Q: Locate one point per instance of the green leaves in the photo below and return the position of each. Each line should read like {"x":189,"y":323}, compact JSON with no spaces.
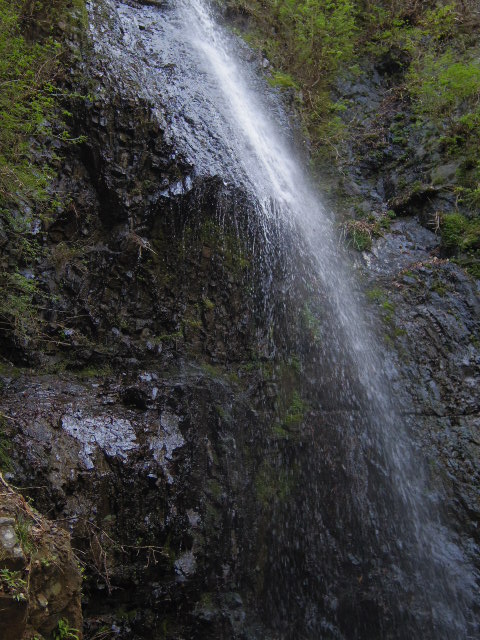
{"x":441,"y":84}
{"x":317,"y":32}
{"x":64,"y":631}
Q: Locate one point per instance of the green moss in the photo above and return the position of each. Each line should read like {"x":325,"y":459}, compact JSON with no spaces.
{"x":296,"y":411}
{"x":213,"y":518}
{"x":193,"y":323}
{"x":281,"y":433}
{"x":311,"y":322}
{"x":295,"y":363}
{"x":375,"y":294}
{"x":475,"y":340}
{"x":388,"y":310}
{"x":92,"y":371}
{"x":293,"y":417}
{"x":283,"y":80}
{"x":29,"y":103}
{"x":221,"y":411}
{"x":208,"y":304}
{"x":439,"y":287}
{"x":211,"y":370}
{"x":234,"y":377}
{"x":379,"y":297}
{"x":273,"y":485}
{"x":215,"y":489}
{"x":207,"y":600}
{"x":5,"y":447}
{"x":168,"y":337}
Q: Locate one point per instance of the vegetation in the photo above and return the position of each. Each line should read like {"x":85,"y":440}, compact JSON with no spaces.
{"x":379,"y":297}
{"x":33,"y":118}
{"x":64,"y":631}
{"x":431,"y":53}
{"x":292,"y":419}
{"x":273,"y":485}
{"x":24,"y":534}
{"x":313,"y":40}
{"x":5,"y":445}
{"x":359,"y":233}
{"x":12,"y":583}
{"x":296,"y":411}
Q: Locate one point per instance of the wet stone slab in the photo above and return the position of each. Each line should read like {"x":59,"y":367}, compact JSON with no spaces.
{"x":407,"y":244}
{"x":115,"y":436}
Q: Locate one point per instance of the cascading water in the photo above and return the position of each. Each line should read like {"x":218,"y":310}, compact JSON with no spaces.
{"x":226,"y":124}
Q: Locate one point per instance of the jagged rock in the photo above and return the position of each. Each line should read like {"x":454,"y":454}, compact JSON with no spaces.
{"x":164,"y":434}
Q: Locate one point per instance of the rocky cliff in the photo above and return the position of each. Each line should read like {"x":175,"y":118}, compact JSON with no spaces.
{"x":180,"y":394}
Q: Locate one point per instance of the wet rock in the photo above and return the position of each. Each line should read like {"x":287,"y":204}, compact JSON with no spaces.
{"x":165,"y":440}
{"x":114,"y":436}
{"x":413,"y":199}
{"x":444,"y":173}
{"x":135,"y":397}
{"x":11,"y":551}
{"x":393,"y":62}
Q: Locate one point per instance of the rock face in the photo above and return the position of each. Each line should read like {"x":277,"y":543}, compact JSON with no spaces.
{"x":428,"y":305}
{"x":147,"y":435}
{"x":182,"y":419}
{"x":434,"y":328}
{"x":40,"y":581}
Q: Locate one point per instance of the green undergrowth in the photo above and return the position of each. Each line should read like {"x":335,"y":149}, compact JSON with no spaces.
{"x":13,"y":584}
{"x":430,"y":54}
{"x":308,"y":43}
{"x":34,"y":122}
{"x":312,"y":43}
{"x":460,"y":237}
{"x":360,"y":233}
{"x":437,"y":47}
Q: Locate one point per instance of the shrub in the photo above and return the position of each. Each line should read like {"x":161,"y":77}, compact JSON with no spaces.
{"x":460,"y":233}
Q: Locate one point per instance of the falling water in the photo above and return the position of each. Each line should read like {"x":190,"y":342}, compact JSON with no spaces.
{"x":228,"y":126}
{"x":279,"y":184}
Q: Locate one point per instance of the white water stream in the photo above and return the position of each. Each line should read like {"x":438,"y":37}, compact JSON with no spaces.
{"x":280,"y":184}
{"x":220,"y":104}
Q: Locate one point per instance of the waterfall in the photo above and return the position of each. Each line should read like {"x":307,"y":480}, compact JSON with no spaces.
{"x":276,"y":176}
{"x":228,"y":125}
